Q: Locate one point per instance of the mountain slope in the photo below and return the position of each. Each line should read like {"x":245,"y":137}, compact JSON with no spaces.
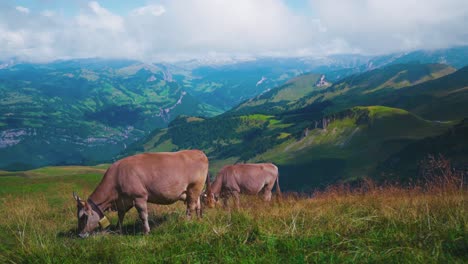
{"x":279,"y":99}
{"x":456,"y":57}
{"x":404,"y":164}
{"x":350,"y":147}
{"x":362,"y":89}
{"x":306,"y":93}
{"x":441,"y":99}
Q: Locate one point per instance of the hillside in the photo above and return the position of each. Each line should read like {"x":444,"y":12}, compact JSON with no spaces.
{"x":353,"y":143}
{"x":404,"y":164}
{"x":440,"y":99}
{"x":456,"y":57}
{"x":283,"y":97}
{"x":363,"y":89}
{"x":358,"y":89}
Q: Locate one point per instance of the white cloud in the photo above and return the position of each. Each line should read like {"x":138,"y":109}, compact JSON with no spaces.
{"x":155,"y":10}
{"x":380,"y":26}
{"x":203,"y":26}
{"x":97,"y":17}
{"x":182,"y":29}
{"x":23,"y":9}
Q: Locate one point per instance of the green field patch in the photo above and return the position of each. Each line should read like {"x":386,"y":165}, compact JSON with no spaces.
{"x":164,"y":146}
{"x":64,"y":171}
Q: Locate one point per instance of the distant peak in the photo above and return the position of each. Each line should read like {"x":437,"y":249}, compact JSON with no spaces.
{"x":151,"y":79}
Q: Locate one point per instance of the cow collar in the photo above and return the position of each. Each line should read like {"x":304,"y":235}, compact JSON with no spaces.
{"x":103,"y":221}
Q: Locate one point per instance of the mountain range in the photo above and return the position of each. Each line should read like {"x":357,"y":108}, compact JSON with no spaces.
{"x":321,"y":119}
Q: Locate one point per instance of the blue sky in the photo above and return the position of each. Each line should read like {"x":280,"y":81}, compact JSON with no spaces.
{"x":183,"y":29}
{"x":71,"y":7}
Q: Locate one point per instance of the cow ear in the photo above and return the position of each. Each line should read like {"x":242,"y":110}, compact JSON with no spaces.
{"x":79,"y":202}
{"x":76,"y":197}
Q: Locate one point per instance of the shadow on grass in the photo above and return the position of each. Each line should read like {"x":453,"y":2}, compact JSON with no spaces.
{"x":128,"y":229}
{"x":136,"y":228}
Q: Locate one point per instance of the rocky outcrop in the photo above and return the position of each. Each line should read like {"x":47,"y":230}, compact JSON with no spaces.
{"x":261,"y":81}
{"x":322,"y":82}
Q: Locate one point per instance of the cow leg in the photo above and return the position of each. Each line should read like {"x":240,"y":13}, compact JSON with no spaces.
{"x":225,"y":197}
{"x":267,"y":192}
{"x":199,"y":208}
{"x":123,"y":206}
{"x":267,"y":196}
{"x":120,"y":222}
{"x":193,"y":200}
{"x":236,"y":199}
{"x":191,"y":206}
{"x":194,"y":205}
{"x":142,"y":208}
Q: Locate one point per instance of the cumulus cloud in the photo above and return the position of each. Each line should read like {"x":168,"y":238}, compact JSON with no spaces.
{"x":376,"y":26}
{"x":180,"y":29}
{"x":22,"y":9}
{"x":97,"y":17}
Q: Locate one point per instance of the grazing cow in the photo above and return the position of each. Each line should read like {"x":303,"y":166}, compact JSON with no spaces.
{"x":233,"y":180}
{"x":160,"y":178}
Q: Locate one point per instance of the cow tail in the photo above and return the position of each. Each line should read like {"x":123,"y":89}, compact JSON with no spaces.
{"x":278,"y":190}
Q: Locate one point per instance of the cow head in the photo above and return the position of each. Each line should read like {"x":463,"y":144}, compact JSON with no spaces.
{"x":88,"y":219}
{"x":208,"y":197}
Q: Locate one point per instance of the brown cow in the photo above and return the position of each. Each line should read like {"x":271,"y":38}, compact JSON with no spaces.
{"x":233,"y":180}
{"x":161,"y":178}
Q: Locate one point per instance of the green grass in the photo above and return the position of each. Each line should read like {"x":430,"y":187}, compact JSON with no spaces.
{"x":54,"y":171}
{"x":298,"y":88}
{"x":388,"y":225}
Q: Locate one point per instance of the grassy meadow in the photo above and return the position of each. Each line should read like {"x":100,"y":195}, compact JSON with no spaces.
{"x":369,"y":224}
